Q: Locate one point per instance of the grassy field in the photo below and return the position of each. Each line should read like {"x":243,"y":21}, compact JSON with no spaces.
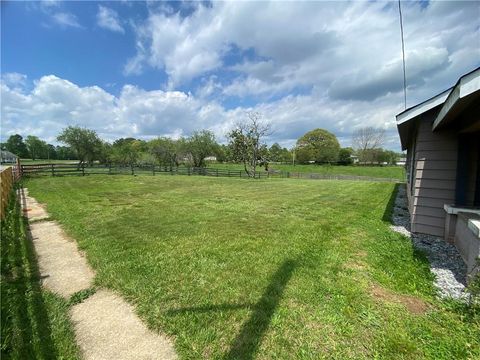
{"x":34,"y":322}
{"x":393,"y":172}
{"x":266,"y":269}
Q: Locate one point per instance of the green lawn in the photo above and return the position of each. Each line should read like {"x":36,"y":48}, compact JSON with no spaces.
{"x":393,"y":172}
{"x":265,"y":269}
{"x":34,"y":322}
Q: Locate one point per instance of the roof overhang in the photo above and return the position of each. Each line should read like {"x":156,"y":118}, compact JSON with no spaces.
{"x":465,"y":91}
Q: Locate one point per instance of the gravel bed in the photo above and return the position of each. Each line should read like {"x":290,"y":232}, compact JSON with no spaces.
{"x":445,"y":261}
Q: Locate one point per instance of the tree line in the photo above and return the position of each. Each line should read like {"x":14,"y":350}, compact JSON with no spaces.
{"x":246,"y":146}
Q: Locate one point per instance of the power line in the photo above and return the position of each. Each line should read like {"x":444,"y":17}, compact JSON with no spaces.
{"x":403,"y":56}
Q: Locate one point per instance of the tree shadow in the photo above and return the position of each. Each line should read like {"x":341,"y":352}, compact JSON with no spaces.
{"x":24,"y":305}
{"x":250,"y":336}
{"x":247,"y":341}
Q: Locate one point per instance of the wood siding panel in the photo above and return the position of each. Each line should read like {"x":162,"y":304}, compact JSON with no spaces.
{"x":436,"y":155}
{"x":436,"y":174}
{"x":438,"y":212}
{"x":429,"y":145}
{"x":429,"y":220}
{"x":435,"y":184}
{"x":437,"y":165}
{"x":434,"y":193}
{"x":426,"y":229}
{"x":431,"y":202}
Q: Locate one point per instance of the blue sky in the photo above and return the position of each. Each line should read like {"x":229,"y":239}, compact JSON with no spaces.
{"x":148,"y":69}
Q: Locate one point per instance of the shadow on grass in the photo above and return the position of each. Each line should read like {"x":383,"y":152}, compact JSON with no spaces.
{"x":250,"y":336}
{"x":387,"y":213}
{"x":26,"y":329}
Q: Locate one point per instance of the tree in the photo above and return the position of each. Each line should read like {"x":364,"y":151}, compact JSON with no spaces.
{"x":366,"y":140}
{"x":165,"y":151}
{"x":16,"y":146}
{"x":127,"y":151}
{"x":345,"y":156}
{"x":246,"y":143}
{"x":85,"y":143}
{"x":275,"y":153}
{"x":200,"y":145}
{"x":318,"y":145}
{"x":36,"y":148}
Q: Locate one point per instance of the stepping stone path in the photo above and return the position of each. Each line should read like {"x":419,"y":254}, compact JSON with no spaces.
{"x":106,"y":326}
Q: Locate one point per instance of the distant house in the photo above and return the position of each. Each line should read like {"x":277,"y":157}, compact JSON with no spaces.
{"x":211,"y":158}
{"x":8,"y":157}
{"x":442,"y":139}
{"x":401,"y":162}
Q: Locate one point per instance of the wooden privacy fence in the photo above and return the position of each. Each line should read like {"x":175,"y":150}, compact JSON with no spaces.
{"x":6,"y":180}
{"x":82,"y":170}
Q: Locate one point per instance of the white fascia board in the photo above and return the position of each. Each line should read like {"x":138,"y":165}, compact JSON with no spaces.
{"x":423,"y":107}
{"x":467,"y":85}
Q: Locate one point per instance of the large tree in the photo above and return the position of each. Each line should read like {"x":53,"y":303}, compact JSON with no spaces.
{"x":200,"y":145}
{"x":318,"y":146}
{"x":36,"y":148}
{"x":246,"y":143}
{"x":16,"y":146}
{"x":85,"y":143}
{"x":366,"y":141}
{"x":166,"y":151}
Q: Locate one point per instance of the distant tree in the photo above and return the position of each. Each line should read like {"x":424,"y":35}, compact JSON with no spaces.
{"x":51,"y":152}
{"x":36,"y":148}
{"x":318,"y":145}
{"x":85,"y":143}
{"x":65,"y":153}
{"x":127,"y":152}
{"x":246,"y":143}
{"x":222,"y":153}
{"x":365,"y":141}
{"x":16,"y":146}
{"x":200,"y":145}
{"x":345,"y":156}
{"x":166,"y":151}
{"x":275,"y":153}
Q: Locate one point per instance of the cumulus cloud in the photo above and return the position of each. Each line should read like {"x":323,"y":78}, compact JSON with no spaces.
{"x":352,"y":50}
{"x":108,"y":19}
{"x":54,"y":103}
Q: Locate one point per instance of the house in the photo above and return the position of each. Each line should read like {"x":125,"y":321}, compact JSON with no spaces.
{"x":442,"y":139}
{"x":401,"y":162}
{"x":8,"y":157}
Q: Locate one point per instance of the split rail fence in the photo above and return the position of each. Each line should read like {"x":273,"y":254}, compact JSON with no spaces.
{"x":83,"y":170}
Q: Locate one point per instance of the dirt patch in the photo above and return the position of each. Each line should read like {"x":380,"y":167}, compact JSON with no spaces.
{"x":107,"y":327}
{"x":62,"y":268}
{"x":413,"y":304}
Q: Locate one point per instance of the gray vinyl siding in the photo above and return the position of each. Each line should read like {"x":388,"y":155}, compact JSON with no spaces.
{"x":433,"y":181}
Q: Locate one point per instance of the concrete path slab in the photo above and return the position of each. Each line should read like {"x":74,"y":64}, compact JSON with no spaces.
{"x":62,"y":268}
{"x":30,"y":207}
{"x":107,"y":327}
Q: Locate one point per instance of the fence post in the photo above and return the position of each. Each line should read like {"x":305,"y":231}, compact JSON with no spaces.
{"x":53,"y":170}
{"x":83,"y":169}
{"x":188,"y":169}
{"x":109,"y":169}
{"x":153,"y":169}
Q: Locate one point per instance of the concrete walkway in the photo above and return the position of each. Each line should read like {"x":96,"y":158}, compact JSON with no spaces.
{"x":106,"y":326}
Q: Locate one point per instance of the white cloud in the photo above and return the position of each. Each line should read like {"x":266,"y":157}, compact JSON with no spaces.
{"x":66,"y":19}
{"x":55,"y":103}
{"x":351,"y":50}
{"x":108,"y":19}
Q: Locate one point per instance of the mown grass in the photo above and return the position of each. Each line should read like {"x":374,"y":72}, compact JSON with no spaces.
{"x":265,"y":269}
{"x":392,"y":172}
{"x":34,"y":322}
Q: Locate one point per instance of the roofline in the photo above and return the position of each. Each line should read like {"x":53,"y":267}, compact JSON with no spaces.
{"x":466,"y":85}
{"x":424,"y":106}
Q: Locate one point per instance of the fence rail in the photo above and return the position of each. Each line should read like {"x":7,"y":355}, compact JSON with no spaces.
{"x":59,"y":169}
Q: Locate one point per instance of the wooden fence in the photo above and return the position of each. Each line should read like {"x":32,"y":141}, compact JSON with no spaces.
{"x":82,"y":170}
{"x":6,"y":184}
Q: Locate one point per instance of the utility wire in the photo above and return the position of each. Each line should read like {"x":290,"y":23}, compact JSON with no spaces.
{"x":403,"y":56}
